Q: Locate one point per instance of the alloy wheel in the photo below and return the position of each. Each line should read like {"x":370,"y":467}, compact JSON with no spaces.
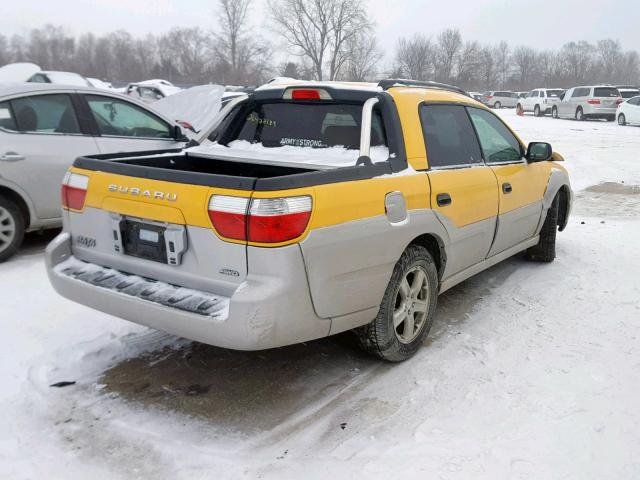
{"x":411,"y":305}
{"x":7,"y":229}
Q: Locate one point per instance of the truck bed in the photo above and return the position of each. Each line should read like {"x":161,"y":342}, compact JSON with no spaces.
{"x":227,"y":172}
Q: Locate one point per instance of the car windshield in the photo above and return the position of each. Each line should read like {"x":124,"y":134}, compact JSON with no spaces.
{"x":307,"y":125}
{"x":554,"y":93}
{"x":606,"y":92}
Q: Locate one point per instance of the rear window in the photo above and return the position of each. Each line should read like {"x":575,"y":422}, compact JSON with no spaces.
{"x":629,"y":93}
{"x":6,"y":117}
{"x":606,"y":92}
{"x":308,"y":125}
{"x":554,"y":93}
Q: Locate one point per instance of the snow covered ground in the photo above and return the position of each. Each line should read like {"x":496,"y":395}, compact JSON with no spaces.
{"x":530,"y":372}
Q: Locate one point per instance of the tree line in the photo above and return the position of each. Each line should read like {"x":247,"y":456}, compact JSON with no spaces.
{"x":321,"y":40}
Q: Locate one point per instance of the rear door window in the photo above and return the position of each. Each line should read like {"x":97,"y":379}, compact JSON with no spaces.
{"x":499,"y":145}
{"x":606,"y":92}
{"x":6,"y":117}
{"x":123,"y":119}
{"x":449,"y":137}
{"x":308,"y":125}
{"x":45,"y":114}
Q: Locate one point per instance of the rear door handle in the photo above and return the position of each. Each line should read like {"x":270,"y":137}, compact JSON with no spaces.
{"x":507,"y":188}
{"x":11,"y":157}
{"x":443,"y":199}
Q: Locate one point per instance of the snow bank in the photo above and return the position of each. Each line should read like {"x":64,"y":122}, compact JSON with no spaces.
{"x":197,"y":105}
{"x":332,"y":157}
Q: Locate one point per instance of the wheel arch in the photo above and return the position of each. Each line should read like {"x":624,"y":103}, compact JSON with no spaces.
{"x":19,"y":201}
{"x":435,"y":246}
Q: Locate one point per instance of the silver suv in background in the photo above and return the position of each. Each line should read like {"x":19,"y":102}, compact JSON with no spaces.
{"x":582,"y":103}
{"x":499,"y":99}
{"x":539,"y":101}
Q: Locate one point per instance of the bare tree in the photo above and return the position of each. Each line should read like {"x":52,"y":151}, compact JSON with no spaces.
{"x":362,"y":58}
{"x":469,"y":64}
{"x":503,"y":62}
{"x":609,"y":58}
{"x":415,"y":57}
{"x":578,"y":57}
{"x":319,"y":30}
{"x":449,"y":45}
{"x":524,"y":59}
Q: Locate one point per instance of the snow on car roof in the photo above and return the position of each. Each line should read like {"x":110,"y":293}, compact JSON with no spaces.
{"x":279,"y":82}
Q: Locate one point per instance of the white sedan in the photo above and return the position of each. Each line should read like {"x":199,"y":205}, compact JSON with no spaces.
{"x":629,"y":112}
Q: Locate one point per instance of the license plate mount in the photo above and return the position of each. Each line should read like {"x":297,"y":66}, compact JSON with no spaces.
{"x":144,"y":240}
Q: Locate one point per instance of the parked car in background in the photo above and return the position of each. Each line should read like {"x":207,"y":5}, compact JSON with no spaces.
{"x":150,"y":92}
{"x":60,"y":78}
{"x":589,"y":102}
{"x":628,"y":112}
{"x":521,"y":94}
{"x":499,"y":99}
{"x":45,"y":127}
{"x":97,"y":83}
{"x":539,"y":101}
{"x":628,"y":91}
{"x":475,"y":95}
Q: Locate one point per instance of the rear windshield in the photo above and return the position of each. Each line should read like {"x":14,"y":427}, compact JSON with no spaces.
{"x":629,"y":93}
{"x":309,"y":125}
{"x":554,"y":93}
{"x":606,"y":92}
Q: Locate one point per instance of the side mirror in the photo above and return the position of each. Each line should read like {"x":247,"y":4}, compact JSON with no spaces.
{"x":178,"y":135}
{"x":539,"y":152}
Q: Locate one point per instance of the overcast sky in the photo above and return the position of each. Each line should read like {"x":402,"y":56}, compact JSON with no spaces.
{"x":537,"y":23}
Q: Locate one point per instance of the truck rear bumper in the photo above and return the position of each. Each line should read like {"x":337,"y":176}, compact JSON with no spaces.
{"x":264,"y":312}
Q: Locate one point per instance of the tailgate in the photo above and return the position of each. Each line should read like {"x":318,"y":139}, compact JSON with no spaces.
{"x":156,"y":229}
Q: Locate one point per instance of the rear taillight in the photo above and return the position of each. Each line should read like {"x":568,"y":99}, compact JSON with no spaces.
{"x":593,"y":101}
{"x":274,"y":220}
{"x":260,"y":220}
{"x":74,"y":190}
{"x":229,"y":216}
{"x":619,"y":101}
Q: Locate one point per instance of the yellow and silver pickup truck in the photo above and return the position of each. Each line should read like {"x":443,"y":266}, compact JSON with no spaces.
{"x":314,"y":208}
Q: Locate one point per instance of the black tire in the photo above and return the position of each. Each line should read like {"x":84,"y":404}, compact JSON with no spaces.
{"x":622,"y":120}
{"x":611,"y":118}
{"x":381,"y":337}
{"x":536,"y":111}
{"x":554,"y":113}
{"x":545,"y":250}
{"x":580,"y":114}
{"x":497,"y":105}
{"x":11,"y":228}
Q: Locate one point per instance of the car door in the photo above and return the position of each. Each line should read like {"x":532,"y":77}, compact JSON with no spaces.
{"x":521,"y":185}
{"x":632,"y":110}
{"x":464,"y":191}
{"x":528,"y":101}
{"x":41,"y":138}
{"x":123,"y":126}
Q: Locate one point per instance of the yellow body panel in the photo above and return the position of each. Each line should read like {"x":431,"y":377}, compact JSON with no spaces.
{"x":473,"y":192}
{"x":528,"y":182}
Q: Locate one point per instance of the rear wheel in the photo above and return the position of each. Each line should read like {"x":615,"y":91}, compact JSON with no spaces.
{"x":407,"y":308}
{"x":536,"y":111}
{"x":11,"y":228}
{"x":545,"y":250}
{"x":554,"y":112}
{"x":622,"y":120}
{"x":579,"y":114}
{"x":497,"y":105}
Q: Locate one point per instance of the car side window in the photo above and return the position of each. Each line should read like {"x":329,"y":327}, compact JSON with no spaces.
{"x":45,"y":114}
{"x":39,"y":78}
{"x":6,"y":117}
{"x":449,"y":137}
{"x":498,"y":144}
{"x":119,"y":118}
{"x":633,"y":101}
